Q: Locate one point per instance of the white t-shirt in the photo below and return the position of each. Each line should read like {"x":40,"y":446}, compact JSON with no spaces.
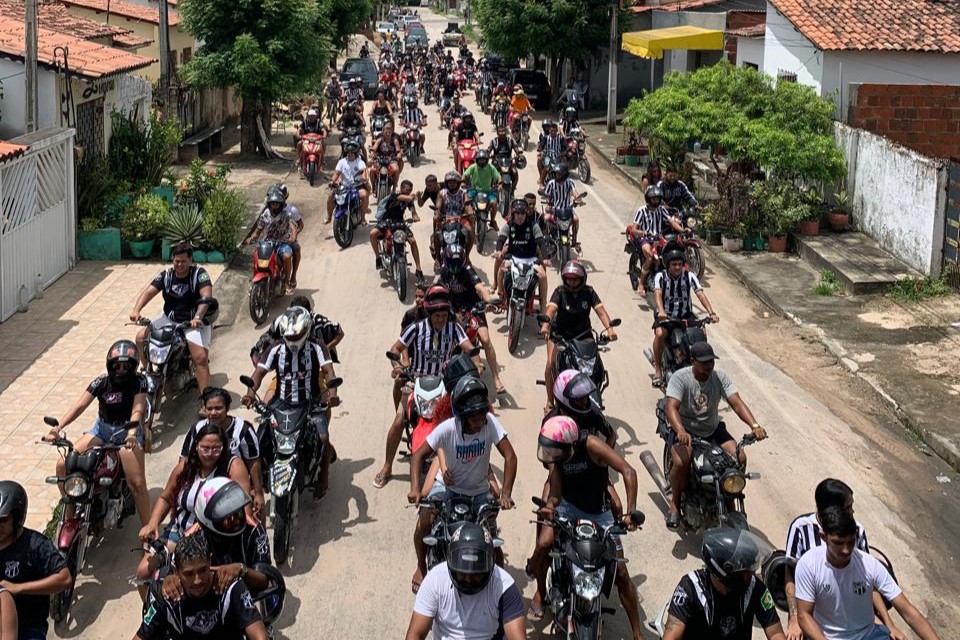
{"x":464,"y":617}
{"x":467,"y":458}
{"x":843,"y":598}
{"x":350,"y":171}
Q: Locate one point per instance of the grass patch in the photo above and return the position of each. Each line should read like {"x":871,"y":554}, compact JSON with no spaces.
{"x":829,"y":285}
{"x":51,"y":530}
{"x":917,"y":289}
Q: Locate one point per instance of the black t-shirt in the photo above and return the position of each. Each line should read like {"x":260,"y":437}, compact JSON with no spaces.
{"x":350,"y":121}
{"x":431,"y":195}
{"x":251,"y":547}
{"x":411,"y":315}
{"x":116,"y":400}
{"x":223,"y":617}
{"x":31,"y":557}
{"x":522,"y":239}
{"x":396,"y":209}
{"x":387,"y":147}
{"x":462,"y":286}
{"x":573,"y":310}
{"x":466,"y":131}
{"x":180,"y":295}
{"x":708,"y":614}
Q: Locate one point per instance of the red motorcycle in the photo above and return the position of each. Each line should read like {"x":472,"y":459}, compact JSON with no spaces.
{"x":466,"y":150}
{"x":269,"y":280}
{"x":311,"y":155}
{"x":94,"y":484}
{"x":686,"y":242}
{"x":460,"y":78}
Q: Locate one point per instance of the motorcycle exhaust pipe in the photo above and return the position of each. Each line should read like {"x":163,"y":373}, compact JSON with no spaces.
{"x":646,"y":457}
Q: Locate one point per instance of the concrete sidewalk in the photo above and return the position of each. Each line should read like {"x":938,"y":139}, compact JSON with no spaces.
{"x":908,"y":353}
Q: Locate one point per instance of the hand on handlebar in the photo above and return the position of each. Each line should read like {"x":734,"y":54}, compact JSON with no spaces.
{"x":506,"y":502}
{"x":759,"y":432}
{"x":135,"y":316}
{"x":148,"y":533}
{"x":247,"y":400}
{"x":661,"y":315}
{"x":413,"y":497}
{"x":627,"y":521}
{"x":714,"y":318}
{"x":52,"y":435}
{"x":612,"y":335}
{"x":545,"y":331}
{"x":684,"y":438}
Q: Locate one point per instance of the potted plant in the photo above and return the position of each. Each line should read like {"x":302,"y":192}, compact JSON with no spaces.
{"x":813,"y":212}
{"x":183,"y":224}
{"x":732,"y":238}
{"x":223,"y":218}
{"x":142,"y":223}
{"x":712,"y":225}
{"x":781,"y":221}
{"x":839,"y":216}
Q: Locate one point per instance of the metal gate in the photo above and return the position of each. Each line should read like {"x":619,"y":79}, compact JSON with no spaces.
{"x":90,"y":129}
{"x":38,"y":214}
{"x":951,"y":235}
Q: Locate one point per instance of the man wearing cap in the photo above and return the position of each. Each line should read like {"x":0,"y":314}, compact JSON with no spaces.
{"x":693,"y":403}
{"x":310,"y":124}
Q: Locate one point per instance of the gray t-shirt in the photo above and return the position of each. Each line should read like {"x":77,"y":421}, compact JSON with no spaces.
{"x":467,"y":458}
{"x":699,"y":403}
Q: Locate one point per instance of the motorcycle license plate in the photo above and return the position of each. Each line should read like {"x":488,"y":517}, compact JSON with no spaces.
{"x":282,"y":475}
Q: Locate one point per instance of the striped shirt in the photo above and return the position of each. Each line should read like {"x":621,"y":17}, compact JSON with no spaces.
{"x":429,"y":348}
{"x":298,"y":374}
{"x":184,"y":516}
{"x":560,"y":194}
{"x":677,"y":292}
{"x":240,"y":433}
{"x":651,"y":221}
{"x":552,"y":145}
{"x":804,"y":534}
{"x":414,"y":115}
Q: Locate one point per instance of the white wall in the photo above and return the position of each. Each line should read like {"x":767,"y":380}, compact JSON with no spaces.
{"x":750,"y":50}
{"x":786,"y":49}
{"x":878,"y":172}
{"x":14,"y":106}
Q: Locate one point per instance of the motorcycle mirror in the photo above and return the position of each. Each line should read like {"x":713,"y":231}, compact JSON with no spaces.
{"x":616,"y":322}
{"x":333,"y":383}
{"x":430,"y":541}
{"x":207,"y":300}
{"x":637,"y":517}
{"x":538,"y":501}
{"x":393,"y":356}
{"x":753,"y":475}
{"x":52,"y":422}
{"x":246,"y":380}
{"x":497,"y":543}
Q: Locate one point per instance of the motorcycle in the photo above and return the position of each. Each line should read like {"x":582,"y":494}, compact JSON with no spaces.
{"x":448,"y":231}
{"x":460,"y":78}
{"x":691,"y":243}
{"x":577,"y":154}
{"x":418,"y":420}
{"x":269,"y":280}
{"x":393,"y":254}
{"x":412,"y":142}
{"x":466,"y":150}
{"x":583,"y":567}
{"x":311,"y":155}
{"x":481,"y":207}
{"x":686,"y":242}
{"x":383,"y":186}
{"x":506,"y":163}
{"x":500,"y":110}
{"x":352,"y":134}
{"x":451,"y":514}
{"x":426,"y":86}
{"x":377,"y":125}
{"x":583,"y":354}
{"x":520,"y":282}
{"x":681,"y":335}
{"x":559,"y":233}
{"x":484,"y":93}
{"x":521,"y":130}
{"x":346,"y":214}
{"x":468,"y":321}
{"x":289,"y":441}
{"x":95,"y":485}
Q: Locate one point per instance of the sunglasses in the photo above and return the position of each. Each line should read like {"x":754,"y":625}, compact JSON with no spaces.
{"x":211,"y":451}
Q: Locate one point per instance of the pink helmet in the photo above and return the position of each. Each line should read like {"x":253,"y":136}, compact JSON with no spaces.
{"x":557,"y":437}
{"x":575,"y":391}
{"x":560,"y":382}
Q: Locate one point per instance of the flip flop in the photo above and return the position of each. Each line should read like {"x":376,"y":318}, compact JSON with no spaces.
{"x":381,"y":481}
{"x":658,"y":382}
{"x":501,"y":390}
{"x":534,"y":613}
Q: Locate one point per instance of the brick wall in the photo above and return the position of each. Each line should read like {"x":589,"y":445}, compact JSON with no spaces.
{"x":740,"y":20}
{"x":925,"y":118}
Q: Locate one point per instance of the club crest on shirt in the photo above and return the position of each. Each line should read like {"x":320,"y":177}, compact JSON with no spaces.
{"x":700,"y":402}
{"x":203,"y":623}
{"x":679,"y":597}
{"x":728,"y":626}
{"x":113,"y":397}
{"x":12,"y":570}
{"x":859,"y":587}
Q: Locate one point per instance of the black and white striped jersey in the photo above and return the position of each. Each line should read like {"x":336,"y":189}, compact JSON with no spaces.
{"x":560,"y":194}
{"x":651,"y":221}
{"x":298,"y":374}
{"x":804,"y":534}
{"x":677,"y":292}
{"x":431,"y":348}
{"x":552,"y":145}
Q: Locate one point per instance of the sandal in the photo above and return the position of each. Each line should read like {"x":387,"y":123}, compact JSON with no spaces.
{"x":501,"y":390}
{"x":380,"y":481}
{"x":535,"y":612}
{"x":658,"y":382}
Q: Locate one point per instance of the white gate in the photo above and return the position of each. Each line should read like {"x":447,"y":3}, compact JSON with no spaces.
{"x":37,"y":217}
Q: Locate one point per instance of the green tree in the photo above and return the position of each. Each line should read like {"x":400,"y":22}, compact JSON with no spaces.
{"x":268,"y":49}
{"x":346,"y":18}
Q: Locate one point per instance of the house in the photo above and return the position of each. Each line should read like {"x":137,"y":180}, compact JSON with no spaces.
{"x":56,"y":17}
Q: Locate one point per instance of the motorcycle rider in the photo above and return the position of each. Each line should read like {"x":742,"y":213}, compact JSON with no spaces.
{"x":34,"y":569}
{"x":722,"y":599}
{"x":351,"y":171}
{"x":561,"y":192}
{"x":472,"y":428}
{"x":504,"y":145}
{"x":294,"y":214}
{"x":468,"y":596}
{"x":676,"y":194}
{"x":466,"y":292}
{"x":182,"y":286}
{"x":568,"y":121}
{"x":519,"y":105}
{"x":454,"y":202}
{"x":334,"y":93}
{"x":301,"y":365}
{"x":428,"y":343}
{"x":364,"y":50}
{"x":522,"y":238}
{"x":396,"y":205}
{"x":648,"y":226}
{"x":276,"y":225}
{"x":579,"y":467}
{"x":387,"y":150}
{"x":381,"y":107}
{"x":466,"y":130}
{"x":352,"y":117}
{"x":121,"y":395}
{"x":311,"y":124}
{"x":353,"y":92}
{"x":672,"y":289}
{"x":571,"y":98}
{"x":203,"y":611}
{"x":550,"y":145}
{"x":693,"y":401}
{"x":575,"y":397}
{"x":569,"y":314}
{"x":413,"y":118}
{"x":451,"y":95}
{"x":483,"y":177}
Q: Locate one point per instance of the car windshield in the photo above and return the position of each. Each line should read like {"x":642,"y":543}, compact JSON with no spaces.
{"x":529,"y":77}
{"x":356,"y":66}
{"x":385,"y":25}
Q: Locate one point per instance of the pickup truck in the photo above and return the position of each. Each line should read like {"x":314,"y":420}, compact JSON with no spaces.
{"x":452,"y":36}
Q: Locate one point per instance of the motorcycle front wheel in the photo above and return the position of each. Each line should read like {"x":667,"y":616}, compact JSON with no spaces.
{"x":311,"y":172}
{"x":515,"y":316}
{"x":283,"y":508}
{"x":259,"y":302}
{"x":583,"y":170}
{"x":634,"y":272}
{"x":342,"y":231}
{"x":695,"y":261}
{"x":400,"y":274}
{"x":563,"y":255}
{"x":60,"y":603}
{"x":481,"y":230}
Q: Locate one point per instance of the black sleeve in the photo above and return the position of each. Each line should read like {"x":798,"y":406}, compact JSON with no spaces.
{"x":249,"y":444}
{"x":763,"y":606}
{"x":594,"y":298}
{"x":241,"y":611}
{"x":473,"y":276}
{"x":97,"y":386}
{"x":203,"y":278}
{"x":556,"y":297}
{"x":258,"y":547}
{"x":683,"y":605}
{"x":154,"y":621}
{"x":45,"y":556}
{"x":157,"y":282}
{"x":144,"y":386}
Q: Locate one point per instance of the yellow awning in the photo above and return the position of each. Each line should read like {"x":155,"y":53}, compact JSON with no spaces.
{"x":652,"y":43}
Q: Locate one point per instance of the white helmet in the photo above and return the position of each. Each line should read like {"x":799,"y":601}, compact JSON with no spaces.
{"x":219,"y":507}
{"x":295,"y":327}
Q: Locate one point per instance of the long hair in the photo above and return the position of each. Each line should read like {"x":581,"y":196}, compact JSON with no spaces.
{"x":192,"y":466}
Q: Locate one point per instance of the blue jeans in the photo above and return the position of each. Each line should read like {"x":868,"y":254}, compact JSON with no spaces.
{"x":878,"y":632}
{"x":604,"y":520}
{"x":32,"y":634}
{"x":492,"y":195}
{"x":284,"y":249}
{"x":112,"y":433}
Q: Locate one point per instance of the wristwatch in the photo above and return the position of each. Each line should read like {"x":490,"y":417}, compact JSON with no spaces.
{"x":243,"y":571}
{"x":755,"y":425}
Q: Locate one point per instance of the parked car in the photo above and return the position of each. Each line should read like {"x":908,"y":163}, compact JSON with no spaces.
{"x":386,"y":29}
{"x":452,"y":36}
{"x":416,"y":32}
{"x":499,"y":66}
{"x":366,"y":69}
{"x":535,"y":85}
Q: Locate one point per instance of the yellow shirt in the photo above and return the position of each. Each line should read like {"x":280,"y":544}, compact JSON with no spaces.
{"x":521,"y":103}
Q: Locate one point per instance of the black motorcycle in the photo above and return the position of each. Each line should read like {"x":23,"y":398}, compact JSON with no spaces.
{"x":393,"y":255}
{"x":352,"y":134}
{"x":520,"y":283}
{"x":559,"y":233}
{"x":582,"y":353}
{"x":681,"y":335}
{"x":288,"y":444}
{"x":451,"y":514}
{"x":484,"y":94}
{"x":583,"y":567}
{"x":508,"y":166}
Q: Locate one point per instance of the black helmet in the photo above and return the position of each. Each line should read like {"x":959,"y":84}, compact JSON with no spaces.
{"x":454,"y":258}
{"x":482,"y":155}
{"x":470,"y":558}
{"x":452,"y":176}
{"x":219,"y":508}
{"x":467,"y":115}
{"x":519,"y":206}
{"x":274,"y":195}
{"x":13,"y":503}
{"x":548,"y":123}
{"x":562,"y":171}
{"x":469,"y":398}
{"x":271,"y":599}
{"x":122,"y":351}
{"x":653,"y":191}
{"x":673,"y":255}
{"x":351,"y":147}
{"x":570,"y":112}
{"x":457,"y":368}
{"x":728,"y":552}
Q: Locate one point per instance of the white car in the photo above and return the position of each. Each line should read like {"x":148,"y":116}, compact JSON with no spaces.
{"x":386,"y":29}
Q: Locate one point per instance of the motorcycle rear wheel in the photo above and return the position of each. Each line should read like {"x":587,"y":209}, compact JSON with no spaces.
{"x":481,"y":230}
{"x":342,"y":231}
{"x":60,"y":603}
{"x":634,"y":272}
{"x":583,"y":170}
{"x":259,"y":302}
{"x":515,"y":326}
{"x":524,"y":139}
{"x":695,"y":261}
{"x":281,"y":529}
{"x":563,"y":255}
{"x":311,"y":172}
{"x":400,"y":274}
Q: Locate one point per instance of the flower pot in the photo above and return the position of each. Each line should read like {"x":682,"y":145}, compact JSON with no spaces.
{"x":754,"y":242}
{"x":714,"y":238}
{"x":215,"y":257}
{"x":731,"y":245}
{"x":631,"y":161}
{"x":810,"y":227}
{"x":838,"y":220}
{"x":618,"y":159}
{"x":165,"y":248}
{"x":199,"y":256}
{"x":141,"y":248}
{"x":102,"y":244}
{"x":777,"y":244}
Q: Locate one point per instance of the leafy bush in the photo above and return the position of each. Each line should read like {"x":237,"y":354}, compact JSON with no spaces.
{"x":200,"y":182}
{"x":96,"y":187}
{"x":144,"y":218}
{"x":223,"y":216}
{"x":184,"y":224}
{"x":917,"y":289}
{"x":781,"y":206}
{"x":828,"y":285}
{"x":140,"y":152}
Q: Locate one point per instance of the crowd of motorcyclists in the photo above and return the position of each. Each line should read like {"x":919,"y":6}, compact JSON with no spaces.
{"x":207,"y":569}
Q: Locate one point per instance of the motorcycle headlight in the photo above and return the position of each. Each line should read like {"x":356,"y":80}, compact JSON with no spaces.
{"x":400,"y":236}
{"x":159,"y":354}
{"x":427,"y":407}
{"x":585,"y":367}
{"x":383,"y":171}
{"x":563,"y":225}
{"x":733,"y":481}
{"x":75,"y":486}
{"x":263,"y":263}
{"x":286,"y":444}
{"x":587,"y":585}
{"x":580,"y":146}
{"x":692,"y":222}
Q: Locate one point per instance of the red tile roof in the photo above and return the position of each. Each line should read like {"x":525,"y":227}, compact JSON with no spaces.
{"x":9,"y":151}
{"x":753,"y":31}
{"x":878,"y":25}
{"x":130,"y":41}
{"x":674,"y":5}
{"x":128,"y":10}
{"x":56,"y":17}
{"x":88,"y":59}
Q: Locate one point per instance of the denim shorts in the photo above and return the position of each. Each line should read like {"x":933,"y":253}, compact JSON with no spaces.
{"x":171,"y":533}
{"x":113,"y":434}
{"x":284,"y":249}
{"x":605,"y":519}
{"x":32,"y":634}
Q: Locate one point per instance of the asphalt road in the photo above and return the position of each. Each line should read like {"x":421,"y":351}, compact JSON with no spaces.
{"x":353,"y":557}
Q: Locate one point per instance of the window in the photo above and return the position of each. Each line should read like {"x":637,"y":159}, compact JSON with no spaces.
{"x":750,"y":65}
{"x":186,"y":55}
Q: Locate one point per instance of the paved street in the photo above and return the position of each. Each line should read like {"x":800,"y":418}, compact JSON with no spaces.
{"x":353,"y":556}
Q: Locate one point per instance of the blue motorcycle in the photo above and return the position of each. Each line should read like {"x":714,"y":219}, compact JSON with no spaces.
{"x":346,"y":214}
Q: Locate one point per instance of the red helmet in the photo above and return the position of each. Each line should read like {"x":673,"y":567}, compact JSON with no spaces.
{"x":436,"y":299}
{"x":573,"y":270}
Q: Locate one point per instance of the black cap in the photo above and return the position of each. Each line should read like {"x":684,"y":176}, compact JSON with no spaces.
{"x":702,"y":352}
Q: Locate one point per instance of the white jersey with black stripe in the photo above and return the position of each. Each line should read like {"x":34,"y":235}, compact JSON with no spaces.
{"x":804,"y":534}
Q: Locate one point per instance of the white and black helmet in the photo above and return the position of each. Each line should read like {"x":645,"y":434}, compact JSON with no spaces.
{"x":295,"y":327}
{"x":219,"y":507}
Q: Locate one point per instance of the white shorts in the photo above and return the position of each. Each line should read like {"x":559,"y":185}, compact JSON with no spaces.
{"x":200,"y":337}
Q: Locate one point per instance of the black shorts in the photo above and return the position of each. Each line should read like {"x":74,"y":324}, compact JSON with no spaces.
{"x":719,"y":436}
{"x":687,"y":316}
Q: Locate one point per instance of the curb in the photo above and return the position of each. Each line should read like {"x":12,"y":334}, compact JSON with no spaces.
{"x":937,"y":443}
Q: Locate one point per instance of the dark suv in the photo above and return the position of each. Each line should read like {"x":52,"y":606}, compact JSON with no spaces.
{"x":534,"y":84}
{"x":499,"y":65}
{"x":367,"y":71}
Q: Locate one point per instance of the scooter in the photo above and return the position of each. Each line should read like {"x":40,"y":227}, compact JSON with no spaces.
{"x":269,"y":280}
{"x":466,"y":150}
{"x":311,"y":155}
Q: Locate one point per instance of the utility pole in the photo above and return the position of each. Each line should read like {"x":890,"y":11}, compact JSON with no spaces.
{"x":30,"y":63}
{"x":164,"y":30}
{"x":613,"y":68}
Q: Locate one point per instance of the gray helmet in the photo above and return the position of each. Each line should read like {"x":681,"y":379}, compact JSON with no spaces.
{"x":482,"y":155}
{"x":471,"y":554}
{"x":219,"y":508}
{"x":727,"y":552}
{"x":469,"y":398}
{"x":13,"y":502}
{"x":562,"y":171}
{"x":653,"y":191}
{"x":274,"y":194}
